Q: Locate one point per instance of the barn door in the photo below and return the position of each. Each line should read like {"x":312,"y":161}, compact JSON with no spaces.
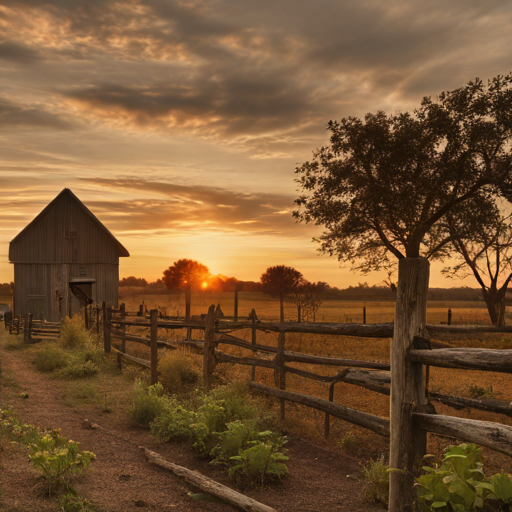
{"x":36,"y":304}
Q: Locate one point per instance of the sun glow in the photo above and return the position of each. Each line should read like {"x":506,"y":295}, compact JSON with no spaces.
{"x":204,"y":285}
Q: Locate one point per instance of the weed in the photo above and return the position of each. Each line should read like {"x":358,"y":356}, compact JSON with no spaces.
{"x":175,"y":423}
{"x":50,"y":357}
{"x":148,"y":403}
{"x":177,"y":372}
{"x":477,"y":392}
{"x":70,"y":502}
{"x":73,"y":333}
{"x":349,"y":443}
{"x":376,"y":481}
{"x":78,"y":369}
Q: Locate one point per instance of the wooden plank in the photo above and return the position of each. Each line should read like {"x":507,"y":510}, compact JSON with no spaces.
{"x":407,"y":442}
{"x":154,"y":346}
{"x":363,"y":419}
{"x":136,"y":360}
{"x":228,"y":339}
{"x":485,"y":433}
{"x":490,"y":405}
{"x":333,"y":361}
{"x":209,"y":486}
{"x":489,"y":360}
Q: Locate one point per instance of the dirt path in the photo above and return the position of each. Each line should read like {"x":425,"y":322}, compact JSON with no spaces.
{"x":122,"y":480}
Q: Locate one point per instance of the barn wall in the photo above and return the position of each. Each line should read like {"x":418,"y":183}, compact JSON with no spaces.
{"x":51,"y":239}
{"x":38,"y":283}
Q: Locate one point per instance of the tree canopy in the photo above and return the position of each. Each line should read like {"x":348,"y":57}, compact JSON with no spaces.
{"x":185,"y":273}
{"x":279,"y":281}
{"x":385,"y":181}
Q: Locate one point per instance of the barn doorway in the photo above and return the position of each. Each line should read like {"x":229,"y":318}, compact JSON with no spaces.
{"x":36,"y":304}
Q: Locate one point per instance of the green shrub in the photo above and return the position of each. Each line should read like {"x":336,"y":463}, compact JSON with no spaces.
{"x":50,"y":357}
{"x":376,"y":481}
{"x":78,"y":369}
{"x":174,"y":424}
{"x":70,"y":502}
{"x":261,"y":462}
{"x":234,"y":439}
{"x":459,"y":484}
{"x":73,"y":333}
{"x":177,"y":371}
{"x":148,"y":403}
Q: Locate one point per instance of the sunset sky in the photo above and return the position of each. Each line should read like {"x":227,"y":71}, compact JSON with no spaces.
{"x":180,"y":123}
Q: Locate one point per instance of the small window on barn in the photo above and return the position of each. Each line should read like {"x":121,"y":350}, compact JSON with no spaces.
{"x":70,"y":234}
{"x":83,"y":271}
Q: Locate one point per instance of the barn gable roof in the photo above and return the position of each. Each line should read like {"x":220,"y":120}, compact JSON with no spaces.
{"x":122,"y":252}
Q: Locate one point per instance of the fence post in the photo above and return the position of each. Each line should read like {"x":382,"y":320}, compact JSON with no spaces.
{"x":235,"y":314}
{"x":449,"y":317}
{"x":106,"y":328}
{"x":253,"y":342}
{"x":364,"y":314}
{"x":154,"y":346}
{"x":407,"y":442}
{"x":29,"y":333}
{"x":123,"y":340}
{"x":209,"y":360}
{"x":279,"y":371}
{"x":327,"y":426}
{"x":25,"y":329}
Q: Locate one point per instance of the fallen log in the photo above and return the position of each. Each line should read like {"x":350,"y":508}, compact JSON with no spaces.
{"x":208,"y":485}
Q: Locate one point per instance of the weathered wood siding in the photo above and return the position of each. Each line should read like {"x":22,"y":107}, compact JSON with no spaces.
{"x":50,"y":238}
{"x":38,"y":281}
{"x":64,"y":241}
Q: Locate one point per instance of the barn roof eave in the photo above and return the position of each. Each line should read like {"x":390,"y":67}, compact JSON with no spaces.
{"x":122,"y":252}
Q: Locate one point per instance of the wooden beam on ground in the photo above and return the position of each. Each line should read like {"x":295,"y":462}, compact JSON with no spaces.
{"x":466,"y":358}
{"x":363,"y":419}
{"x":208,"y":485}
{"x":485,"y":433}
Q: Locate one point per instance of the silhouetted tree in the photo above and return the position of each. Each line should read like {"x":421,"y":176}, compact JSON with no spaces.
{"x":187,"y":275}
{"x":133,"y":281}
{"x":279,"y":281}
{"x":308,"y":298}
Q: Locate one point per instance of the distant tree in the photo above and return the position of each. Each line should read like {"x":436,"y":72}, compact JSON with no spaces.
{"x":308,"y":298}
{"x":186,"y":275}
{"x":279,"y":281}
{"x":482,"y":240}
{"x":133,"y":281}
{"x":6,"y":288}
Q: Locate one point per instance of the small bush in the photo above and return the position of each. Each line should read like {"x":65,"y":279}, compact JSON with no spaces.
{"x":78,"y":369}
{"x":50,"y":357}
{"x":376,"y":481}
{"x":73,"y":333}
{"x":478,"y":392}
{"x":177,"y":371}
{"x":175,"y":423}
{"x":148,"y":403}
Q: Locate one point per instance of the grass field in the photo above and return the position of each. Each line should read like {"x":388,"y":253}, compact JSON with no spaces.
{"x":267,"y":308}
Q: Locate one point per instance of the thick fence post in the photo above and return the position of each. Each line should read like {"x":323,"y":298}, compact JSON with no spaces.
{"x":449,"y":317}
{"x":253,"y":342}
{"x":279,"y":372}
{"x":209,"y":360}
{"x":154,"y":346}
{"x":235,"y":313}
{"x":364,"y":314}
{"x":407,"y":442}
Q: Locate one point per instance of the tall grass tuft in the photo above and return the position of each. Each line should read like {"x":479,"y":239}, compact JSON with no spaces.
{"x":74,"y":335}
{"x":178,"y":372}
{"x":50,"y":357}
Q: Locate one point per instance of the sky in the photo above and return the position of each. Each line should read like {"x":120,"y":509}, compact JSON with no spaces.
{"x":180,"y":123}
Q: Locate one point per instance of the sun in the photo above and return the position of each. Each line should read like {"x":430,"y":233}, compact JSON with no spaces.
{"x":204,"y":285}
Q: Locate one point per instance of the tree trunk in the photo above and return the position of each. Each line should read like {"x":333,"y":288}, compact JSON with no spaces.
{"x":407,"y":442}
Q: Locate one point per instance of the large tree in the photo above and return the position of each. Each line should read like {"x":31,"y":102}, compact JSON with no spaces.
{"x":279,"y":281}
{"x":185,"y":275}
{"x":381,"y":188}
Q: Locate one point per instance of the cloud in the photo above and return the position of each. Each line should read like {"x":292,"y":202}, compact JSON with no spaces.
{"x":14,"y":52}
{"x":195,"y":208}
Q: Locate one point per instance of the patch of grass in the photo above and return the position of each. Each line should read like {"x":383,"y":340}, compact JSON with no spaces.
{"x":80,"y":392}
{"x":15,"y":343}
{"x":375,"y":475}
{"x":477,"y":392}
{"x":78,"y":370}
{"x":73,"y":334}
{"x":178,"y":371}
{"x":50,"y":357}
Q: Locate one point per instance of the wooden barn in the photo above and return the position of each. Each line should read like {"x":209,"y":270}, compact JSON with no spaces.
{"x":63,"y":259}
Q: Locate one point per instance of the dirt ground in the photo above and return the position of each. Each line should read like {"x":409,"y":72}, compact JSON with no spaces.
{"x":121,"y":479}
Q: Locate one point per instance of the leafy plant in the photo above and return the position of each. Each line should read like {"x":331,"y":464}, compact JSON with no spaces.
{"x":148,"y":403}
{"x":70,"y":502}
{"x":174,"y":423}
{"x":262,"y":461}
{"x":460,"y":485}
{"x":58,"y":458}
